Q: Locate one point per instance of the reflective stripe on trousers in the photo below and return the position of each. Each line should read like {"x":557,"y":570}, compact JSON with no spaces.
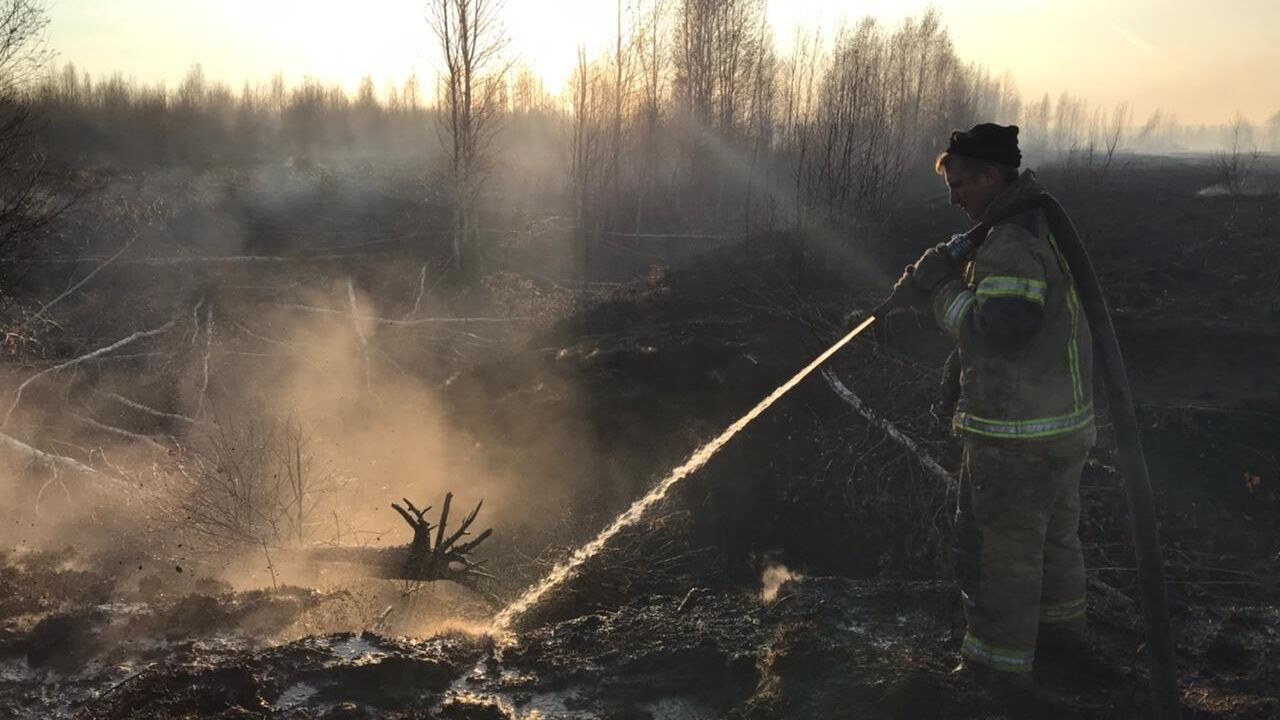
{"x":1003,"y":659}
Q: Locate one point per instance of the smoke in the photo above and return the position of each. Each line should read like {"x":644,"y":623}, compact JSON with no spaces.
{"x":379,"y":423}
{"x":339,"y":359}
{"x":773,"y":578}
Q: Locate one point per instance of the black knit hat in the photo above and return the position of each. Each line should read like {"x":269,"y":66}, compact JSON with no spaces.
{"x":988,"y":141}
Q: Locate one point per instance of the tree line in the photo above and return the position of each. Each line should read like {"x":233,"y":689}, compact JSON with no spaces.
{"x":691,"y":122}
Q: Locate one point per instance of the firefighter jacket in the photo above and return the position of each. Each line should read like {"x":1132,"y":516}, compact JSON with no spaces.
{"x":1025,"y":351}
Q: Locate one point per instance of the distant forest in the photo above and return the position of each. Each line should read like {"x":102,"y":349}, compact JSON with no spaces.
{"x":693,"y":121}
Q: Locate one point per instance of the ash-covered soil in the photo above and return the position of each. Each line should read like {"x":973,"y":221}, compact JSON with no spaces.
{"x":822,"y":647}
{"x":687,"y":614}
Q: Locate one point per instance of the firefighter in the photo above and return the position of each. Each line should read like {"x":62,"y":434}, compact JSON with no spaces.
{"x":1024,"y":411}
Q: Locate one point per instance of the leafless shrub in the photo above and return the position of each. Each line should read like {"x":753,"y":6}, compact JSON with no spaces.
{"x":253,"y":483}
{"x":1235,"y":165}
{"x":1080,"y":143}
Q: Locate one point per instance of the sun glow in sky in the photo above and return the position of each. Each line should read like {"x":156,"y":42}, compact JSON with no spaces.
{"x":1203,"y":61}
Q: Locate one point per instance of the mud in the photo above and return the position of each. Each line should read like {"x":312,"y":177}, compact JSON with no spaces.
{"x":825,"y":647}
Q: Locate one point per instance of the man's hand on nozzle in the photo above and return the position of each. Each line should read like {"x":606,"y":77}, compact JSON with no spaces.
{"x":906,"y":294}
{"x":932,"y":270}
{"x":919,"y":280}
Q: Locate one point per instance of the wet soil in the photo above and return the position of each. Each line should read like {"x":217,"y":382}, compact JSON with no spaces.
{"x":823,"y":647}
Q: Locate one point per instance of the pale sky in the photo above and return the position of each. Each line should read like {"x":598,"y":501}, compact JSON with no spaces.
{"x":1202,"y":60}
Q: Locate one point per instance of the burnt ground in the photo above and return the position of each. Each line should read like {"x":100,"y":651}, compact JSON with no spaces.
{"x":671,"y":621}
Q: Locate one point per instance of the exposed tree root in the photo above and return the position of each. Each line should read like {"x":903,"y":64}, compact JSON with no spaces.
{"x":424,"y":559}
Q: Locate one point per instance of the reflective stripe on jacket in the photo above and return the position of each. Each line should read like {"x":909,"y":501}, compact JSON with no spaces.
{"x":1040,"y":389}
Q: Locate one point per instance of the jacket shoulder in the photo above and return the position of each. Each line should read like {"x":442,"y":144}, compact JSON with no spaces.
{"x":1008,"y":241}
{"x":1032,"y":220}
{"x":1025,"y":235}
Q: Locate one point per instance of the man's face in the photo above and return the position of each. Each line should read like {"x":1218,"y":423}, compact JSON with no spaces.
{"x":972,"y":190}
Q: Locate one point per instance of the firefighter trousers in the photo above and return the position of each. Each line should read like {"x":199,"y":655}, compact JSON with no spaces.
{"x":1017,"y":551}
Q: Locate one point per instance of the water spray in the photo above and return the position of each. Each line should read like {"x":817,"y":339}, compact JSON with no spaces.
{"x":564,"y":570}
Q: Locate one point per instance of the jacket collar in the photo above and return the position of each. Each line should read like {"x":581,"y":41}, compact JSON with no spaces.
{"x":1024,"y":187}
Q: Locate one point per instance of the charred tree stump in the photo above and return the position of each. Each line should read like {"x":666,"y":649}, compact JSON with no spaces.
{"x":424,"y":559}
{"x":446,"y":559}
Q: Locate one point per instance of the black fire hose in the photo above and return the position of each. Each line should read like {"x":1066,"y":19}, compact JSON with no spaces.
{"x":1165,"y":695}
{"x":1133,"y":464}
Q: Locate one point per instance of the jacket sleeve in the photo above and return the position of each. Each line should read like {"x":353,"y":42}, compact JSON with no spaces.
{"x":1005,"y":307}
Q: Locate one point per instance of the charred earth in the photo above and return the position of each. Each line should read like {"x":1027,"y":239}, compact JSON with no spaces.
{"x":803,"y":573}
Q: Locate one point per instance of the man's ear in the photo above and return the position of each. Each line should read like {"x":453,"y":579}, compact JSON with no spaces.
{"x":990,"y":175}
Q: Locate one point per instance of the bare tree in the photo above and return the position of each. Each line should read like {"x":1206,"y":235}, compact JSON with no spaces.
{"x":716,"y":43}
{"x":1113,"y":137}
{"x":798,"y":109}
{"x":760,"y":129}
{"x":472,"y":42}
{"x":1068,"y":127}
{"x":1145,"y":137}
{"x":26,"y":201}
{"x":586,"y":159}
{"x":605,"y":108}
{"x":652,"y":51}
{"x":1035,"y":131}
{"x":623,"y":76}
{"x":1235,"y":165}
{"x":880,"y":96}
{"x":1273,"y":132}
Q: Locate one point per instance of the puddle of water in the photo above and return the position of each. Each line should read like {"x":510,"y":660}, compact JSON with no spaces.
{"x":509,"y":689}
{"x":356,"y":648}
{"x":296,"y":695}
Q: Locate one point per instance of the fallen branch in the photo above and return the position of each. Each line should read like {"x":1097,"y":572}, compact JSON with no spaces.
{"x":926,"y":460}
{"x":121,"y":432}
{"x":135,"y":405}
{"x":101,"y":266}
{"x":393,"y":321}
{"x":259,"y":336}
{"x":422,"y":288}
{"x":141,"y":334}
{"x":41,"y":457}
{"x":208,"y":350}
{"x":59,"y":466}
{"x":672,"y":236}
{"x":195,"y":322}
{"x":364,"y":341}
{"x":213,"y":260}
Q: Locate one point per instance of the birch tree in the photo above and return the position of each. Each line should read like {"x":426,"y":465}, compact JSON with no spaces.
{"x":472,"y":44}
